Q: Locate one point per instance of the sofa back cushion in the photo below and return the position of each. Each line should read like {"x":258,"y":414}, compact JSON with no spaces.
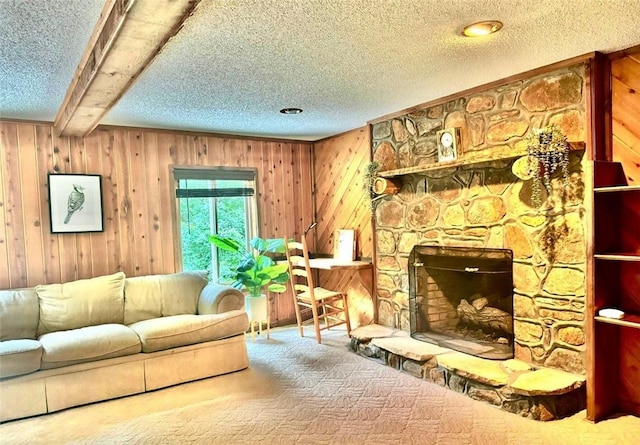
{"x":154,"y":296}
{"x":142,"y":298}
{"x":81,"y":303}
{"x":19,"y":314}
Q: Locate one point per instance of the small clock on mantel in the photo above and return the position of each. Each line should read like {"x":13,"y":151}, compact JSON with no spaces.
{"x":448,"y":146}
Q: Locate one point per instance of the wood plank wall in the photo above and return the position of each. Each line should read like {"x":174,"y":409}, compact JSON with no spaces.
{"x":625,"y":86}
{"x":341,"y":203}
{"x":140,"y":236}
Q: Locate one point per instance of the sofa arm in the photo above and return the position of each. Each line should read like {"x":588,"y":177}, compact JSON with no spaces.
{"x":217,"y":298}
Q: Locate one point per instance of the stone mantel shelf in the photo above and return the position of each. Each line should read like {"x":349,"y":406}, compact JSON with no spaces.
{"x":468,"y":159}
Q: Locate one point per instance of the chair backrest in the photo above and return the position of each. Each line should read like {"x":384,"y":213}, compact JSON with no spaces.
{"x":300,"y":274}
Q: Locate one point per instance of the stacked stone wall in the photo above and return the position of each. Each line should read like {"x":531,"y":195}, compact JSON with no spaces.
{"x":483,"y":204}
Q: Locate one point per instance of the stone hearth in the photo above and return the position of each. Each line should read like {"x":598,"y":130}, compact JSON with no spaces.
{"x":512,"y":385}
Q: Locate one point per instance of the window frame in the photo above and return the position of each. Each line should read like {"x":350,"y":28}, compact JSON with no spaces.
{"x":252,"y":212}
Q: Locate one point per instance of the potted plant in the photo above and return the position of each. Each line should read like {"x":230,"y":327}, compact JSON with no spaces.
{"x":547,"y":150}
{"x":256,"y":271}
{"x":370,"y":175}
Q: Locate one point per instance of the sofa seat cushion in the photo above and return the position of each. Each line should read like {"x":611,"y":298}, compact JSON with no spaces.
{"x":64,"y":348}
{"x":19,"y":357}
{"x":163,"y":333}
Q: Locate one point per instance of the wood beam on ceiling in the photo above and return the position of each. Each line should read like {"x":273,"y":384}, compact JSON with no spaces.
{"x":128,"y":36}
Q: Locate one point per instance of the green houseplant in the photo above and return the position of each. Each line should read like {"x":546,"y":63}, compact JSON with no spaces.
{"x":548,"y":150}
{"x":256,"y":270}
{"x":370,"y":175}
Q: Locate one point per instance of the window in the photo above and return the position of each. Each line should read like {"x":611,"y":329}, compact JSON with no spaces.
{"x":220,"y":201}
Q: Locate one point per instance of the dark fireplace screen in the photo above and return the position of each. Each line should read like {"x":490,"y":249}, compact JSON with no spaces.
{"x":462,"y":298}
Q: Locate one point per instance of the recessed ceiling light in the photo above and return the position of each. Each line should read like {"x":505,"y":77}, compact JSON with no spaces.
{"x":481,"y":28}
{"x":291,"y":111}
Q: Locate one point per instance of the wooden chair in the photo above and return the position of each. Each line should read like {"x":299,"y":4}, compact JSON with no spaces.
{"x":328,"y":308}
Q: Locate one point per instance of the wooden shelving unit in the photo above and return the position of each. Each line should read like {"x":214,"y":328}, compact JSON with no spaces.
{"x":613,"y":383}
{"x":617,"y":188}
{"x":616,"y":257}
{"x":630,"y":321}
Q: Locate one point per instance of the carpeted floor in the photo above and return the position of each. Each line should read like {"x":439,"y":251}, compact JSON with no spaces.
{"x":297,"y":391}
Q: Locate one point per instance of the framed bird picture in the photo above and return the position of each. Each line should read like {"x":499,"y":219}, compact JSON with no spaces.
{"x":75,"y":203}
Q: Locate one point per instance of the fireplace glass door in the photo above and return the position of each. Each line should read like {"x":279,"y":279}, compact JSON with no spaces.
{"x":462,"y":298}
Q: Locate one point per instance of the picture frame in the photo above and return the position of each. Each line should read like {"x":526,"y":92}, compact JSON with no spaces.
{"x":75,"y":203}
{"x":344,"y":247}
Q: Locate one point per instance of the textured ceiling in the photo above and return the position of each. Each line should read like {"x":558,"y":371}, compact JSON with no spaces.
{"x":237,"y":62}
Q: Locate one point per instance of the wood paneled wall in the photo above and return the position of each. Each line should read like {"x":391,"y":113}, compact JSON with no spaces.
{"x":625,"y":107}
{"x":140,"y":235}
{"x":342,"y":203}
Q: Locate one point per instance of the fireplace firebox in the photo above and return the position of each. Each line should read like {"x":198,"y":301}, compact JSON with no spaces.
{"x":461,"y":298}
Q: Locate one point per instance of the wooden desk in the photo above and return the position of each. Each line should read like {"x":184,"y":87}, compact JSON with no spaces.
{"x":335,"y":264}
{"x":353,"y":277}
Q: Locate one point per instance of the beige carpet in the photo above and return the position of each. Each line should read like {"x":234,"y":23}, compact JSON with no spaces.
{"x":297,"y":391}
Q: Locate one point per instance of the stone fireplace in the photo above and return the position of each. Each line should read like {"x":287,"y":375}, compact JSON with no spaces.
{"x":480,"y":203}
{"x":462,"y":298}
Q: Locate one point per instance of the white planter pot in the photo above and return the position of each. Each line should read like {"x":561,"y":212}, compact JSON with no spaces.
{"x":256,"y":307}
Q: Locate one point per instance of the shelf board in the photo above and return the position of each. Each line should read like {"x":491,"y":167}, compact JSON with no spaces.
{"x":628,"y":320}
{"x":617,"y":188}
{"x":473,"y":157}
{"x":617,"y":256}
{"x":418,"y":169}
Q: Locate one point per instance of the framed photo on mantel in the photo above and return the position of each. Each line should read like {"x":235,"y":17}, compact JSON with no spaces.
{"x":75,"y":203}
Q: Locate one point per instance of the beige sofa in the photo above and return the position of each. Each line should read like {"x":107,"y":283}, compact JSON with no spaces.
{"x":63,"y":345}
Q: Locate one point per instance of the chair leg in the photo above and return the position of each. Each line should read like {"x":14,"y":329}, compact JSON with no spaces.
{"x":316,"y":323}
{"x":299,"y":319}
{"x":298,"y":316}
{"x":346,"y":314}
